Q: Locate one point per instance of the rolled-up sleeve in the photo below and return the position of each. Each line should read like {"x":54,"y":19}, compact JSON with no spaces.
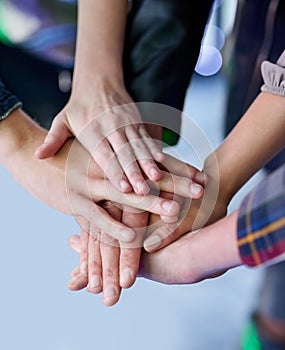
{"x":8,"y":102}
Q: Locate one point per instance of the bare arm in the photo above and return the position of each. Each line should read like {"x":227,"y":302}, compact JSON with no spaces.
{"x":257,"y":138}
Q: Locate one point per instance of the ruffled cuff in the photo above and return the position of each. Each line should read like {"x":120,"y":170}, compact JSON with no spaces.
{"x":274,"y":76}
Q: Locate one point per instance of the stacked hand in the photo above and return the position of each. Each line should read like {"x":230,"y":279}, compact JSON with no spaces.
{"x":164,"y":265}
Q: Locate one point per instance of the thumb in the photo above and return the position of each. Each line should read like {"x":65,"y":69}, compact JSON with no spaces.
{"x":55,"y":139}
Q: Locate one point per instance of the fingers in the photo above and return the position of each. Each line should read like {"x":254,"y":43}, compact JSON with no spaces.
{"x":151,"y":144}
{"x":84,"y":253}
{"x":100,"y":218}
{"x":131,"y":252}
{"x":74,"y":243}
{"x":122,"y":154}
{"x":150,"y":203}
{"x":144,"y":152}
{"x":108,"y":162}
{"x":182,"y":186}
{"x":110,"y":254}
{"x":54,"y":140}
{"x":77,"y":281}
{"x":79,"y":276}
{"x":128,"y":160}
{"x":163,"y":235}
{"x":180,"y":168}
{"x":95,"y":284}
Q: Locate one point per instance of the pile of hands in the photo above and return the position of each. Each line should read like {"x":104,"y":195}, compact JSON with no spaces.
{"x":139,"y":209}
{"x":110,"y":261}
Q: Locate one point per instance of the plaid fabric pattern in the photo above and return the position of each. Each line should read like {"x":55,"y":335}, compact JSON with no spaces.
{"x":261,"y":223}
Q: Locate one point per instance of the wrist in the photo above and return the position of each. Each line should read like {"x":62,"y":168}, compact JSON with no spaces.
{"x":18,"y":133}
{"x":220,"y":177}
{"x":100,"y":74}
{"x":222,"y":235}
{"x":101,"y":84}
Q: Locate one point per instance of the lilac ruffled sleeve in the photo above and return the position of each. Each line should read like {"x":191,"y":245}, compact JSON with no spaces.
{"x":274,"y":76}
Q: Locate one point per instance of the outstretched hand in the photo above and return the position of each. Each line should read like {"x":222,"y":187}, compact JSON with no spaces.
{"x":110,"y":128}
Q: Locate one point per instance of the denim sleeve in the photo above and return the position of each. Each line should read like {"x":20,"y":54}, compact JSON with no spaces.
{"x":8,"y":102}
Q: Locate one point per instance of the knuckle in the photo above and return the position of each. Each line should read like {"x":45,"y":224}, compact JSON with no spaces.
{"x":84,"y":252}
{"x":109,"y":273}
{"x":94,"y":266}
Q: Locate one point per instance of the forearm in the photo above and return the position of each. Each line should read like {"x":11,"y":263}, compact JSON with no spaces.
{"x":18,"y":135}
{"x":44,"y":180}
{"x":257,"y":137}
{"x":100,"y":40}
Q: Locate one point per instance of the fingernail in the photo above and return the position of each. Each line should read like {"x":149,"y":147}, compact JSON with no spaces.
{"x":195,"y":189}
{"x":142,"y":187}
{"x":201,"y":178}
{"x":83,"y":269}
{"x":169,"y":219}
{"x":167,"y":205}
{"x":110,"y":292}
{"x":125,"y":277}
{"x":125,"y":185}
{"x":95,"y":282}
{"x":159,"y":155}
{"x":154,"y":172}
{"x":152,"y":242}
{"x":127,"y":235}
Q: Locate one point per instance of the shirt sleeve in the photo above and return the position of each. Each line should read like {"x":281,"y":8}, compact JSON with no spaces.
{"x":8,"y":102}
{"x":261,"y":222}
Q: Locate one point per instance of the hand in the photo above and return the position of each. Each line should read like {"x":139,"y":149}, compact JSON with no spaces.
{"x":106,"y":265}
{"x":109,"y":126}
{"x":67,"y":182}
{"x":195,"y":256}
{"x":193,"y":214}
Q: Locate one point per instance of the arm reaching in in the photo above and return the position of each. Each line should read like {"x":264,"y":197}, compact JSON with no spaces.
{"x":257,"y":137}
{"x":100,"y":112}
{"x":69,"y":182}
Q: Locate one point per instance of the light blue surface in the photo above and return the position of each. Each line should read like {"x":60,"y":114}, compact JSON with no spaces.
{"x":39,"y":312}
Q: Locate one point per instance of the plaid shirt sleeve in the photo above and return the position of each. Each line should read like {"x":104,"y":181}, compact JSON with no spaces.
{"x":8,"y":102}
{"x":261,"y":222}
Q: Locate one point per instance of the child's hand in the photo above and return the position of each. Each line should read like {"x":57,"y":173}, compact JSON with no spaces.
{"x":109,"y":126}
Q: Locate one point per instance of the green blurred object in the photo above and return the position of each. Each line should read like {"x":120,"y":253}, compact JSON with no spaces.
{"x":250,"y":339}
{"x":169,"y":137}
{"x":3,"y":37}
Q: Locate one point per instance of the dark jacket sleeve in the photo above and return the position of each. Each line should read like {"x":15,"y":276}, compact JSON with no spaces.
{"x":8,"y":102}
